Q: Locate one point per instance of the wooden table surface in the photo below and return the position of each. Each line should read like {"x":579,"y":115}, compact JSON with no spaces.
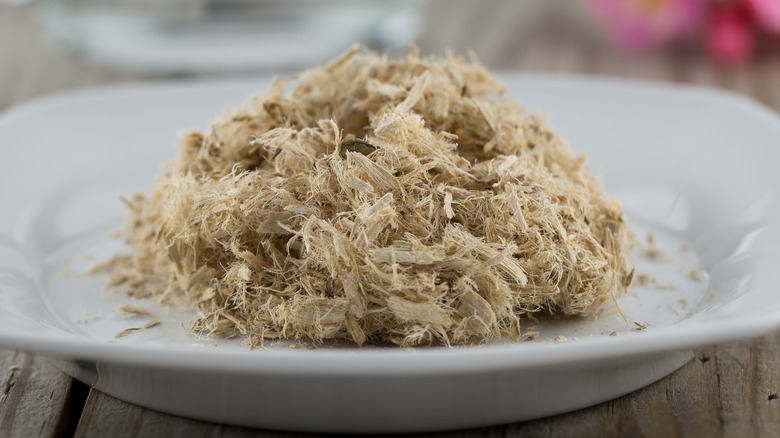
{"x":727,"y":390}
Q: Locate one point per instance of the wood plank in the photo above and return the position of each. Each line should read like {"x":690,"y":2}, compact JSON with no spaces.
{"x":107,"y":416}
{"x":726,"y":390}
{"x":35,"y":398}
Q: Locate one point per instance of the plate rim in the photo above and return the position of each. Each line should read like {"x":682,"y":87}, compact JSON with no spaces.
{"x":398,"y":362}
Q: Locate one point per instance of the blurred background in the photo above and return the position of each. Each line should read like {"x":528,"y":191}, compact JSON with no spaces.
{"x":48,"y":45}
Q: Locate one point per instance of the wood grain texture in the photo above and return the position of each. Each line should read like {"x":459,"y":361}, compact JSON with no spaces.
{"x":107,"y":416}
{"x":35,"y":396}
{"x":728,"y":390}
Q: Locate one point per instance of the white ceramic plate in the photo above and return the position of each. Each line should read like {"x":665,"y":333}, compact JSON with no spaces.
{"x":696,"y":167}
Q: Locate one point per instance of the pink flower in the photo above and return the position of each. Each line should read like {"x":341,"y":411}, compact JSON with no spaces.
{"x":644,"y":24}
{"x":767,"y":13}
{"x":730,"y":37}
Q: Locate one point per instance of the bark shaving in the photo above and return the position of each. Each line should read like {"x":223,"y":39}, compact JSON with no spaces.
{"x":380,"y":200}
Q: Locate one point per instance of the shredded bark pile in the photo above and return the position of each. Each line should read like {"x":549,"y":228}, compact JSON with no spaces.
{"x":381,"y":200}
